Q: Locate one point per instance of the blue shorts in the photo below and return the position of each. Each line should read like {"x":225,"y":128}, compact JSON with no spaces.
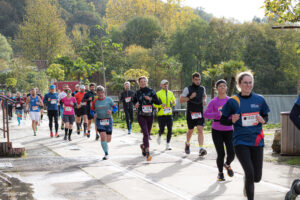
{"x":105,"y":128}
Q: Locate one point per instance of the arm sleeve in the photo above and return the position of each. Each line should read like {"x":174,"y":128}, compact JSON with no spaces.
{"x":226,"y":121}
{"x":209,"y":112}
{"x":227,"y":110}
{"x":295,"y":115}
{"x":155,"y":99}
{"x":135,"y":99}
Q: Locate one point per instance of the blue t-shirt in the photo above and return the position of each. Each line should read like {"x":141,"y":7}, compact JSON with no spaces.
{"x":52,"y":104}
{"x":246,"y":131}
{"x":298,"y":100}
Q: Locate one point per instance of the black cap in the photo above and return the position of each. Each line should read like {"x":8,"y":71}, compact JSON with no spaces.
{"x":220,"y":81}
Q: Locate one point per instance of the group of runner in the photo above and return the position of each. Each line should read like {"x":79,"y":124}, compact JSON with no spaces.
{"x":236,"y":128}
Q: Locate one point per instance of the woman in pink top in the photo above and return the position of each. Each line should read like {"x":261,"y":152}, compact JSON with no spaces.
{"x":69,"y":103}
{"x":221,"y":134}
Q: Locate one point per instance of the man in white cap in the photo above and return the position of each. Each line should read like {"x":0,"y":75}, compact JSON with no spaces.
{"x":165,"y":112}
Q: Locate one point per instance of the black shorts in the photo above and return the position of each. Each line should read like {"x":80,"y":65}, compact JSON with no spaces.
{"x":90,"y":117}
{"x":69,"y":119}
{"x":191,"y":123}
{"x":81,"y":111}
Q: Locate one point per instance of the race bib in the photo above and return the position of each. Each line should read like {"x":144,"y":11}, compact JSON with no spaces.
{"x":83,"y":103}
{"x":68,"y":109}
{"x":127,"y":99}
{"x":35,"y":107}
{"x":249,"y":119}
{"x":104,"y":122}
{"x":196,"y":115}
{"x":18,"y":105}
{"x":167,"y":110}
{"x":53,"y":101}
{"x":147,"y":109}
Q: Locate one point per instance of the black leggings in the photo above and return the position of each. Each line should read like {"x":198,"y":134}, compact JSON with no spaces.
{"x":162,"y":122}
{"x":10,"y":108}
{"x":53,"y":114}
{"x":251,"y":159}
{"x":220,"y":138}
{"x":128,"y":117}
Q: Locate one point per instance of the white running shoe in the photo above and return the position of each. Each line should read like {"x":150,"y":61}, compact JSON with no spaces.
{"x":159,"y":139}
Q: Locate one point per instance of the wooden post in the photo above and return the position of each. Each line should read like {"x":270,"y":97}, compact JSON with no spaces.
{"x":290,"y":136}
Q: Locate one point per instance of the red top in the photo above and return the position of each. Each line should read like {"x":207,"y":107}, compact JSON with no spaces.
{"x":78,"y":96}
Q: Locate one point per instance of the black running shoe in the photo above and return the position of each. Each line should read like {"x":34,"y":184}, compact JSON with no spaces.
{"x":291,"y":195}
{"x":230,"y":172}
{"x":187,"y":148}
{"x":202,"y":152}
{"x":143,"y":150}
{"x":88,"y":135}
{"x":97,"y":137}
{"x":221,"y":176}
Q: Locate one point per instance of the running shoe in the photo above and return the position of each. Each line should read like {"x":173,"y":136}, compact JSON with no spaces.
{"x":291,"y":195}
{"x":62,"y":127}
{"x":143,"y":150}
{"x":65,"y":138}
{"x":88,"y":135}
{"x":202,"y":152}
{"x":159,"y":139}
{"x":56,"y":135}
{"x":221,"y":176}
{"x":97,"y":137}
{"x":187,"y":148}
{"x":34,"y":133}
{"x":106,"y":157}
{"x":168,"y":147}
{"x":51,"y":134}
{"x":230,"y":172}
{"x":149,"y":157}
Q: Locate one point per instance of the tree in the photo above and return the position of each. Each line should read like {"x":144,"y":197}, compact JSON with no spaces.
{"x":142,"y":31}
{"x":134,"y":74}
{"x":56,"y":71}
{"x":11,"y":82}
{"x":212,"y":72}
{"x":5,"y":52}
{"x":284,"y":10}
{"x":42,"y":35}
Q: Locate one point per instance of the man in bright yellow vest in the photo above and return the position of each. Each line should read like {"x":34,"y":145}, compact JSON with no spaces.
{"x":165,"y":112}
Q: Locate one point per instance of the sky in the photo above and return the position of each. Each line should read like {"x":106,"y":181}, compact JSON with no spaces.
{"x":241,"y":10}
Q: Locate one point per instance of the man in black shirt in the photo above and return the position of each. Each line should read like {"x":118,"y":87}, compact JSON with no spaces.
{"x":89,"y":98}
{"x":126,"y":97}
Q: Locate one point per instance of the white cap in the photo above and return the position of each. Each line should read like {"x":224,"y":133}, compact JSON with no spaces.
{"x":82,"y":87}
{"x":164,"y":82}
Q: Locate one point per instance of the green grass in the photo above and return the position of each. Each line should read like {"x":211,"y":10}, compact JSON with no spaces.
{"x":294,"y":161}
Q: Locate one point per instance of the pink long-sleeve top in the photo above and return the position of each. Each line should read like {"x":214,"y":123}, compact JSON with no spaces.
{"x":213,"y":111}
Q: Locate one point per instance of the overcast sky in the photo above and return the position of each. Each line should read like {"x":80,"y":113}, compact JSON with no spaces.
{"x":241,"y":10}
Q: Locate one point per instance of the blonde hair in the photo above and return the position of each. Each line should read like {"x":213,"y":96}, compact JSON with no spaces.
{"x":240,"y":76}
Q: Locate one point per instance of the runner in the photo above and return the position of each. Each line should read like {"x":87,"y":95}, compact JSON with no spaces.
{"x":38,"y":92}
{"x":165,"y":112}
{"x":221,"y":134}
{"x":33,"y":102}
{"x":9,"y":105}
{"x":126,"y":97}
{"x":249,"y":111}
{"x":88,"y":98}
{"x":81,"y":110}
{"x":77,"y":89}
{"x":19,"y":104}
{"x":24,"y":107}
{"x":104,"y":107}
{"x":295,"y":113}
{"x":144,"y":99}
{"x":69,"y":103}
{"x":195,"y":97}
{"x":62,"y":95}
{"x":51,"y":101}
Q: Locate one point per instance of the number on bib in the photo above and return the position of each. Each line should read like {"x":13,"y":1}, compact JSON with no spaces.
{"x":53,"y":101}
{"x":147,"y":109}
{"x":68,"y":109}
{"x":196,"y":115}
{"x":104,"y":122}
{"x":249,"y":119}
{"x":34,"y":107}
{"x":167,"y":110}
{"x":127,"y":99}
{"x":18,"y":105}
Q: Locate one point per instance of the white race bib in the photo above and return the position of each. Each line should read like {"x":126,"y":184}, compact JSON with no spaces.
{"x":127,"y":99}
{"x":34,"y":107}
{"x":18,"y":105}
{"x":104,"y":122}
{"x":249,"y":119}
{"x":147,"y":109}
{"x":196,"y":115}
{"x":68,"y":109}
{"x":53,"y":101}
{"x":167,"y":110}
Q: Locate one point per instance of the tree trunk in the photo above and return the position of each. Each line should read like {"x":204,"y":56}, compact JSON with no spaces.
{"x":213,"y":82}
{"x":231,"y":87}
{"x":102,"y":60}
{"x":298,"y":88}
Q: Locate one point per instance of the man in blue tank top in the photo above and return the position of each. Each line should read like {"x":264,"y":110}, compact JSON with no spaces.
{"x":33,"y":102}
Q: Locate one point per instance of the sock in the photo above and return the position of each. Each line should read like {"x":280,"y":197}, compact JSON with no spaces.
{"x":70,"y":133}
{"x":42,"y":116}
{"x":84,"y":127}
{"x":66,"y":131}
{"x":78,"y":126}
{"x":105,"y":147}
{"x":89,"y":131}
{"x":19,"y":120}
{"x":201,"y":146}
